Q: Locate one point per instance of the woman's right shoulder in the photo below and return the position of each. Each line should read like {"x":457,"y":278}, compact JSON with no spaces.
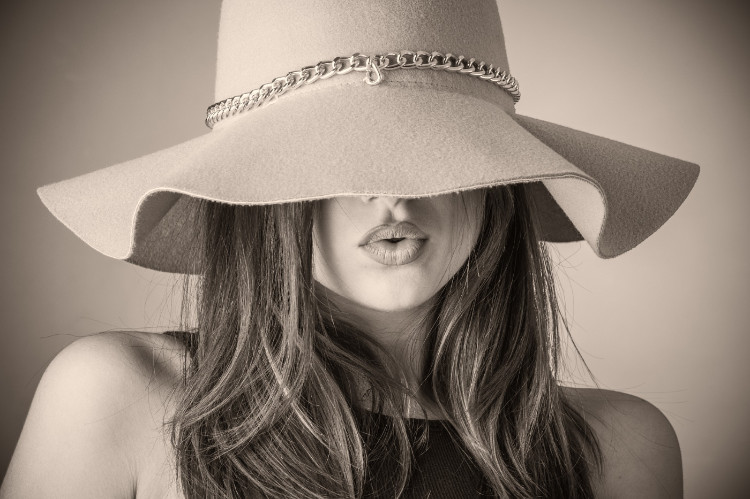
{"x":130,"y":362}
{"x":99,"y":404}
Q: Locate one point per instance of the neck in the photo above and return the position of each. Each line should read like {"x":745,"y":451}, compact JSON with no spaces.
{"x":402,"y":333}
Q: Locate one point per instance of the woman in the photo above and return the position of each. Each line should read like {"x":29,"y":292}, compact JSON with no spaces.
{"x":345,"y":284}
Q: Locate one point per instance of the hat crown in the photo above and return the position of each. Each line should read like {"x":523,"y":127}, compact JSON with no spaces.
{"x":262,"y":40}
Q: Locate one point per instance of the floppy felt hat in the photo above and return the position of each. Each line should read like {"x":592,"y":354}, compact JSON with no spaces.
{"x":407,"y":98}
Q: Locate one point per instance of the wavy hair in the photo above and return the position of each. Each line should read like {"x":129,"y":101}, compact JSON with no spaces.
{"x":267,"y":407}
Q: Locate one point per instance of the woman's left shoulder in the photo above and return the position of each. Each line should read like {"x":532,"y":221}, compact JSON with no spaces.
{"x":640,"y":451}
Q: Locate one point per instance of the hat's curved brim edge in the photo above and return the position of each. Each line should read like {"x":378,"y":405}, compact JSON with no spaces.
{"x":611,"y":194}
{"x":643,"y":189}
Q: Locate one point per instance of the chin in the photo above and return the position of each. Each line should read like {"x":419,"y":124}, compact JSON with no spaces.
{"x":395,"y":297}
{"x":395,"y":290}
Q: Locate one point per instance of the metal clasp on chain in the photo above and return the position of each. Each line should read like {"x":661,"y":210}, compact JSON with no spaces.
{"x":371,"y":64}
{"x":373,"y":69}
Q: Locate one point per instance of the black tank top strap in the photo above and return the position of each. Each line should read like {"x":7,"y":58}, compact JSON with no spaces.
{"x":189,"y":339}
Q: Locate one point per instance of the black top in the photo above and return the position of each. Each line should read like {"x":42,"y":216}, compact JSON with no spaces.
{"x":441,"y":468}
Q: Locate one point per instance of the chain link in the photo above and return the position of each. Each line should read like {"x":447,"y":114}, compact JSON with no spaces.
{"x":373,"y":66}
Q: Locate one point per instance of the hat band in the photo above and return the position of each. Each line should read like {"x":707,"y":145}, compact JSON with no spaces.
{"x":373,"y":66}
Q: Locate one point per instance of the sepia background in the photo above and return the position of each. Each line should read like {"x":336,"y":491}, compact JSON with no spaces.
{"x":86,"y":84}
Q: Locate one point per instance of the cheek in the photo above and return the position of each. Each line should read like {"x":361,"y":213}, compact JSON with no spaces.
{"x":463,"y":215}
{"x":334,"y":229}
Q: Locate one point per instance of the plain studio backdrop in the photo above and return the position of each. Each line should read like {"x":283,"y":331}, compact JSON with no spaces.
{"x":87,"y":84}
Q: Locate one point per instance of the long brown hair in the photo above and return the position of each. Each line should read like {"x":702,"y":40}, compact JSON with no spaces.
{"x":267,"y":409}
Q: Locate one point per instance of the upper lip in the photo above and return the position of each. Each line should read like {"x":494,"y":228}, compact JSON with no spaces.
{"x":405,"y":230}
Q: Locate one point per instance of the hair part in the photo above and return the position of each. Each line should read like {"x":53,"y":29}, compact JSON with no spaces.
{"x":268,"y":400}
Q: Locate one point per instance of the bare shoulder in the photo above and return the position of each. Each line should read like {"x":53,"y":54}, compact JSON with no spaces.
{"x":641,"y":454}
{"x":98,"y":406}
{"x":121,"y":368}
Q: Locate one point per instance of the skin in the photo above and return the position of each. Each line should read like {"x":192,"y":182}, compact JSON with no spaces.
{"x":389,"y":302}
{"x":94,"y":428}
{"x":450,"y":221}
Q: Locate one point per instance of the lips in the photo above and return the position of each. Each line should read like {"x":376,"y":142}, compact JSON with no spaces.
{"x":394,"y":244}
{"x":402,"y":230}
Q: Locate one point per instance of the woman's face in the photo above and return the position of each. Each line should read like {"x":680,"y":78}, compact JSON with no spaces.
{"x":394,"y":254}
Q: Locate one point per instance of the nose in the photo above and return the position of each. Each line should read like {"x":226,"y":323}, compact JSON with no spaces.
{"x":390,"y":201}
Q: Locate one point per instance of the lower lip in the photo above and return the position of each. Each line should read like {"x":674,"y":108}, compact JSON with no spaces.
{"x":400,"y":253}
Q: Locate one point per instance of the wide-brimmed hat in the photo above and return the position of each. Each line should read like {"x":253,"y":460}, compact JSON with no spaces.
{"x":407,"y":98}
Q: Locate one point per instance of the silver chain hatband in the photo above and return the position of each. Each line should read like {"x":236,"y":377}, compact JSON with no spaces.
{"x":373,"y":65}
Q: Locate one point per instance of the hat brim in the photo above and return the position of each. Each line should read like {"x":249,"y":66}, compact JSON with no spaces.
{"x":396,"y":140}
